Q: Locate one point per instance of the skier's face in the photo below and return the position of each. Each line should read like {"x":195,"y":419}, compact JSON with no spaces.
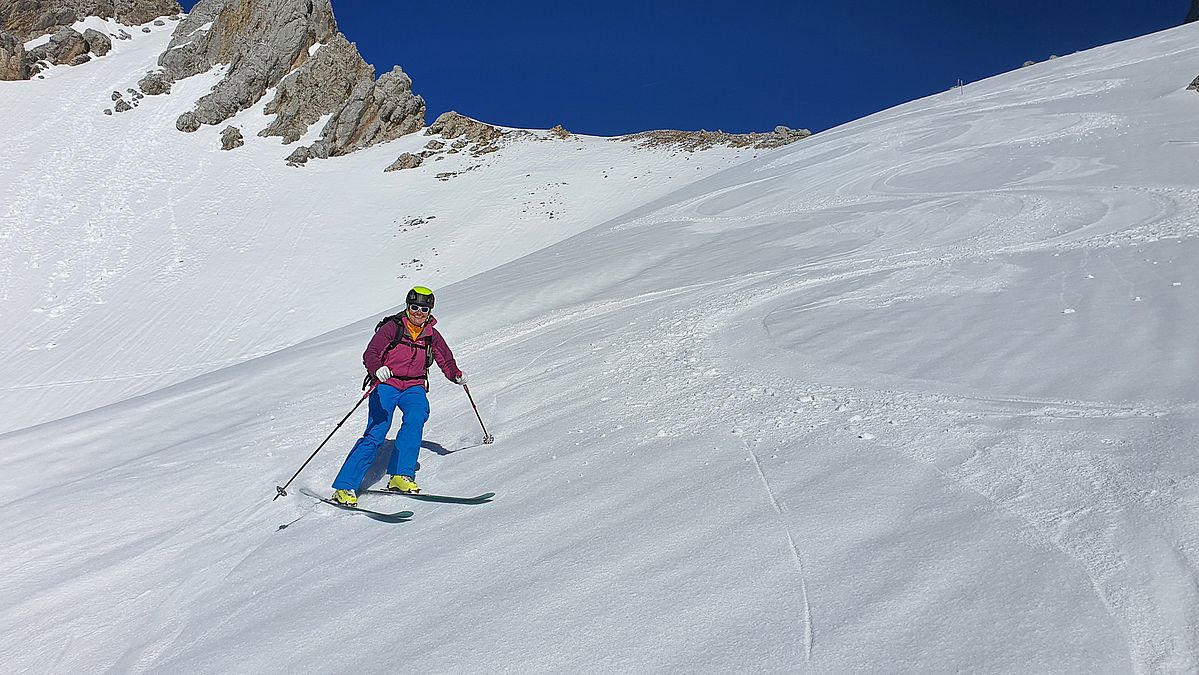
{"x":416,"y":316}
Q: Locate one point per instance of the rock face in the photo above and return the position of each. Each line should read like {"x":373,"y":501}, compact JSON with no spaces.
{"x":260,"y":41}
{"x":294,"y":46}
{"x":1194,"y":86}
{"x":376,"y":112}
{"x":692,"y":141}
{"x":317,"y":88}
{"x":13,"y":60}
{"x":27,"y":19}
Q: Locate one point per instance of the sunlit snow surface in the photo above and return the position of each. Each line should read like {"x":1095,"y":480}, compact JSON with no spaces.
{"x":915,"y":395}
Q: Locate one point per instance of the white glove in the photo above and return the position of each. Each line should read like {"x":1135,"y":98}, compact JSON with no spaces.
{"x":461,"y":379}
{"x":383,"y":374}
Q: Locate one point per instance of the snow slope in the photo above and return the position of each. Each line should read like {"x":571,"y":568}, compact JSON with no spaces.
{"x":121,"y":231}
{"x":915,"y":395}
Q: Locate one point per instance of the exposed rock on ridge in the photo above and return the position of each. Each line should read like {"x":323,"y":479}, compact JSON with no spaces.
{"x":260,"y":41}
{"x":295,"y":47}
{"x":702,"y":140}
{"x":316,"y":89}
{"x":27,"y":19}
{"x":24,"y":20}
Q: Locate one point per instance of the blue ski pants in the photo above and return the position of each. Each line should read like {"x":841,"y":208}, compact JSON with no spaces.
{"x":413,"y":403}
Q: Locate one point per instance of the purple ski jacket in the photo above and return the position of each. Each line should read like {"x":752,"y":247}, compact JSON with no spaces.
{"x":407,"y":363}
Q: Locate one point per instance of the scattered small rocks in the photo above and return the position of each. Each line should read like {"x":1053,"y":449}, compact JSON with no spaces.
{"x":146,"y":29}
{"x":116,"y":95}
{"x":692,"y":141}
{"x":108,"y":111}
{"x":123,"y":106}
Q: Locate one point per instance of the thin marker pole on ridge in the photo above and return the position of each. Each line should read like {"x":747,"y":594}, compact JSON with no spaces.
{"x":282,"y":490}
{"x":487,"y":438}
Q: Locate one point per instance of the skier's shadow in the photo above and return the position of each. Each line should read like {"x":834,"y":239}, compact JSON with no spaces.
{"x":379,"y":467}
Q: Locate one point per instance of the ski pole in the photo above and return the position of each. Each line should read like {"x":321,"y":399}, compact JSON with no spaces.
{"x":487,"y":438}
{"x":283,"y":489}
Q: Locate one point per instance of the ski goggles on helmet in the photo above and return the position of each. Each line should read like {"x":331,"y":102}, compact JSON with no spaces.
{"x":420,"y":308}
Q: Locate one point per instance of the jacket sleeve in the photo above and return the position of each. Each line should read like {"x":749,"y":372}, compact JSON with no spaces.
{"x":372,"y":358}
{"x":444,"y":357}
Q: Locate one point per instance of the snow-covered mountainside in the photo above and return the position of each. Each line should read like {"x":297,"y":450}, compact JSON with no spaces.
{"x":917,"y":394}
{"x":135,"y":256}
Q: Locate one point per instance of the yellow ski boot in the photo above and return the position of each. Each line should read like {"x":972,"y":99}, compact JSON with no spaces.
{"x":345,"y":498}
{"x":403,"y":484}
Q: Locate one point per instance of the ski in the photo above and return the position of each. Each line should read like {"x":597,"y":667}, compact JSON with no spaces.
{"x":397,"y":517}
{"x":442,"y":499}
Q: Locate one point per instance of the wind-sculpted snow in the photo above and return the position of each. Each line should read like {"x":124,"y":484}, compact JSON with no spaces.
{"x":915,"y":395}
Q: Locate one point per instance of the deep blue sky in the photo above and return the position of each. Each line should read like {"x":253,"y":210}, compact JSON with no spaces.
{"x":620,"y":66}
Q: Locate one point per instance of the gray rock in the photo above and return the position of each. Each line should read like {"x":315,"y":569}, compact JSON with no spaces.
{"x":405,"y":161}
{"x":231,"y":138}
{"x":1029,"y":63}
{"x":452,"y":125}
{"x":65,"y":46}
{"x":146,"y":29}
{"x":434,"y":145}
{"x":116,"y":95}
{"x":123,"y":34}
{"x":14,"y":64}
{"x":298,"y":156}
{"x":123,"y":106}
{"x":376,"y":113}
{"x":317,"y":88}
{"x":187,"y":122}
{"x":108,"y":111}
{"x":155,"y":83}
{"x":260,"y":41}
{"x":97,"y":42}
{"x":80,"y":60}
{"x":159,"y":22}
{"x":28,"y":19}
{"x":1194,"y":86}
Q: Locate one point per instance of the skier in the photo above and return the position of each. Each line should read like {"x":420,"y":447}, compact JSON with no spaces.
{"x":398,"y":359}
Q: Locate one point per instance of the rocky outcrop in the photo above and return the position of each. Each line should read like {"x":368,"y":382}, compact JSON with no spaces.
{"x":317,"y":88}
{"x":27,"y":19}
{"x":14,"y":63}
{"x":692,"y":141}
{"x":260,"y":41}
{"x":1194,"y":86}
{"x":294,"y":47}
{"x":405,"y":161}
{"x":376,"y":112}
{"x":63,"y":48}
{"x":231,"y":138}
{"x":451,"y":125}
